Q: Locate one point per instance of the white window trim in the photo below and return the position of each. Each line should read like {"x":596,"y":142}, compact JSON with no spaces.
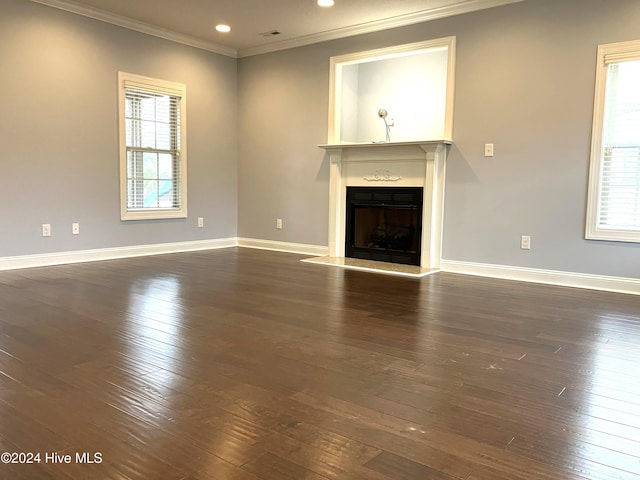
{"x":612,"y":52}
{"x":155,"y":85}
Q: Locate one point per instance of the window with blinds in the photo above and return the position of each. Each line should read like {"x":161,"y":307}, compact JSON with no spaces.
{"x":153,"y":159}
{"x":614,"y":192}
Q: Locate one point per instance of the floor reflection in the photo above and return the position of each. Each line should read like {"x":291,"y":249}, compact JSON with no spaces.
{"x":155,"y":318}
{"x":613,"y":388}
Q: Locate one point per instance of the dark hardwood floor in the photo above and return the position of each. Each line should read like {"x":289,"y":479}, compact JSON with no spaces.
{"x":242,"y":364}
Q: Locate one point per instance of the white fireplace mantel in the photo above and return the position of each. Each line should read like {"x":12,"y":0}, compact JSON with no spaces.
{"x":402,"y":164}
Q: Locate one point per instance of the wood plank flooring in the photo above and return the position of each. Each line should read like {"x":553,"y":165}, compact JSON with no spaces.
{"x":242,"y":364}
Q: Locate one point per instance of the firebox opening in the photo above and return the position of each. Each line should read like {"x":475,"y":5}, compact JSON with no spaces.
{"x":384,"y":224}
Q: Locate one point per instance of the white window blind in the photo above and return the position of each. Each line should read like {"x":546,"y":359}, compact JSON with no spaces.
{"x":614,"y":191}
{"x":620,"y":182}
{"x":153,"y":168}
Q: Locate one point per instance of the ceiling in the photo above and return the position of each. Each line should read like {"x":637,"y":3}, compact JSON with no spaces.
{"x":299,"y":22}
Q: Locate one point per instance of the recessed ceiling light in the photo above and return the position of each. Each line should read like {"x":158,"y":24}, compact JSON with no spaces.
{"x":223,"y":28}
{"x":325,"y":3}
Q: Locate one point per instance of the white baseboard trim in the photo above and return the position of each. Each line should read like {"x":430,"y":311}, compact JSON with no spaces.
{"x":507,"y":272}
{"x":300,"y":248}
{"x":62,"y":258}
{"x":550,"y":277}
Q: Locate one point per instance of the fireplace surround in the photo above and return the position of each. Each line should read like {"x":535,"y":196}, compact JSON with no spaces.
{"x":400,"y":164}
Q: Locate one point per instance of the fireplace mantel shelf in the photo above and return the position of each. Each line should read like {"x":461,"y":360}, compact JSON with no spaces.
{"x":384,"y":144}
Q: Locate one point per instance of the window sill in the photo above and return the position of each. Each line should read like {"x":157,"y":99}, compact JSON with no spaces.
{"x":153,"y":214}
{"x":613,"y":235}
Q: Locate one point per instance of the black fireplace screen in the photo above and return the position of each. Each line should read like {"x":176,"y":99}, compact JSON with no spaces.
{"x":384,"y":224}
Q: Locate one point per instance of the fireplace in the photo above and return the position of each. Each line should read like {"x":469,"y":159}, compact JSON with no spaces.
{"x":377,"y":167}
{"x":384,"y":224}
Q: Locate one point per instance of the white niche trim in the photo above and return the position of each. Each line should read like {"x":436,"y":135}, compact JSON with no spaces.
{"x":414,"y":83}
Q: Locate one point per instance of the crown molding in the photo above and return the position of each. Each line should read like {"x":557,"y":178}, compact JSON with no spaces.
{"x":465,"y":6}
{"x":125,"y":22}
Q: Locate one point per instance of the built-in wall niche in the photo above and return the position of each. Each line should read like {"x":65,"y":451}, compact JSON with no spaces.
{"x":412,"y":83}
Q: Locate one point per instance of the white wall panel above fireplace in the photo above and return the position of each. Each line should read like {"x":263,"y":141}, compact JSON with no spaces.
{"x":387,"y":174}
{"x":387,"y":164}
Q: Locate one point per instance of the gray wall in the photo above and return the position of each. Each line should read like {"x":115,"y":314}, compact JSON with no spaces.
{"x":525,"y":80}
{"x":525,"y":76}
{"x":283,"y":111}
{"x":58,"y":132}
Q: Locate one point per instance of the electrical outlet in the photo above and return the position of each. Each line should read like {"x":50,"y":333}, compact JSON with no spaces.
{"x":279,"y":223}
{"x":200,"y":222}
{"x":488,"y":149}
{"x":525,"y":242}
{"x":75,"y":229}
{"x":46,"y":229}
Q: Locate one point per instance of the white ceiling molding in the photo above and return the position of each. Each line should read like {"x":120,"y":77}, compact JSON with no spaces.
{"x":125,"y":22}
{"x":465,"y":6}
